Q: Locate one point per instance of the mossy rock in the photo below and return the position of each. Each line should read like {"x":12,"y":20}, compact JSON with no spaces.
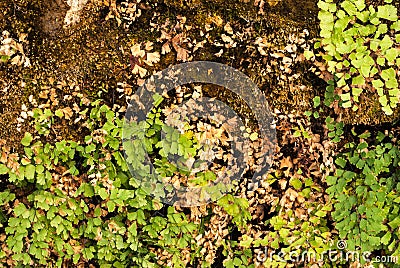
{"x":94,"y":53}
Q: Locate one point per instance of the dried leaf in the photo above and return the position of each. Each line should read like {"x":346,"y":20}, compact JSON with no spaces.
{"x":182,"y":54}
{"x":148,"y":46}
{"x":139,"y":70}
{"x":68,"y":113}
{"x":137,"y":52}
{"x":165,"y":49}
{"x":151,"y":58}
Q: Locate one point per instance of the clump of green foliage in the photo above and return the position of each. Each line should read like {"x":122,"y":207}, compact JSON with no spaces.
{"x":105,"y":216}
{"x":360,"y":45}
{"x":361,"y":48}
{"x":366,"y":190}
{"x":174,"y":154}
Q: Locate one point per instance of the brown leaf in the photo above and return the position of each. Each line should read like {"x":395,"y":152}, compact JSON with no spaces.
{"x":68,"y":113}
{"x":151,"y":58}
{"x":165,"y":49}
{"x":286,"y":163}
{"x":139,"y":70}
{"x":182,"y":54}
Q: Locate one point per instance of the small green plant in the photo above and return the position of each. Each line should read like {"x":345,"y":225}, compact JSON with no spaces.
{"x":301,"y":132}
{"x":237,"y":208}
{"x":43,"y":120}
{"x":366,"y":190}
{"x":240,"y":258}
{"x":361,"y":48}
{"x":335,"y":129}
{"x":174,"y":156}
{"x":82,"y":204}
{"x":316,"y":104}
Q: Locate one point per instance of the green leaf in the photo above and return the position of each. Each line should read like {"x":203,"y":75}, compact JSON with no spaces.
{"x":30,"y":172}
{"x":296,"y":183}
{"x":395,"y":222}
{"x":386,"y":43}
{"x":349,"y":7}
{"x":19,"y":209}
{"x":382,"y":28}
{"x":342,"y":23}
{"x":3,"y":169}
{"x":27,"y":139}
{"x":387,"y":12}
{"x":59,"y":113}
{"x":56,"y":221}
{"x":110,"y":206}
{"x":246,"y":241}
{"x":387,"y":110}
{"x":360,"y":164}
{"x":389,"y":75}
{"x":396,"y":26}
{"x":18,"y":246}
{"x":358,"y":80}
{"x":341,"y":82}
{"x":394,"y":92}
{"x":340,"y":161}
{"x":326,"y":18}
{"x":327,"y":6}
{"x":317,"y":101}
{"x":308,"y":54}
{"x":374,"y":44}
{"x":386,"y":238}
{"x":4,"y":58}
{"x":391,"y":54}
{"x":377,"y":83}
{"x":381,"y":61}
{"x":360,"y":4}
{"x":157,"y":99}
{"x":391,"y":83}
{"x":383,"y":100}
{"x":346,"y":100}
{"x":103,"y":193}
{"x":356,"y":91}
{"x":375,"y":21}
{"x":366,"y":63}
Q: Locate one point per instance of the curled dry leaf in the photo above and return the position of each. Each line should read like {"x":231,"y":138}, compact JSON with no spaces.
{"x":182,"y":54}
{"x":68,"y":113}
{"x":228,"y":28}
{"x":139,"y":70}
{"x":148,"y":46}
{"x":165,"y":49}
{"x":152,"y":57}
{"x":226,"y":38}
{"x":137,"y":51}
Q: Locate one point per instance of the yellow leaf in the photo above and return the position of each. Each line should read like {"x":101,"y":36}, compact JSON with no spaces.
{"x":139,"y":70}
{"x":136,"y":51}
{"x":148,"y":46}
{"x":153,"y":57}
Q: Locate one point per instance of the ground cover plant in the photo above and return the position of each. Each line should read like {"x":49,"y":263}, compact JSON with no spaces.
{"x":328,"y":69}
